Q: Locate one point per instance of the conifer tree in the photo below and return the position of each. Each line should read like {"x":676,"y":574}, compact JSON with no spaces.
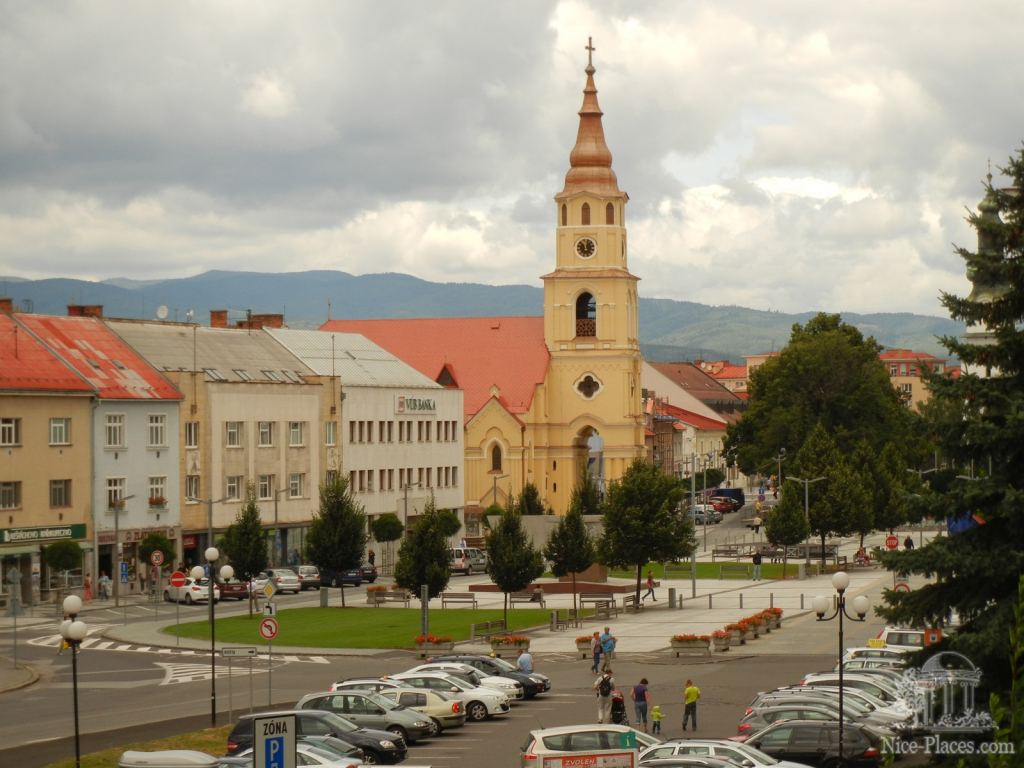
{"x":337,"y":535}
{"x":570,"y":548}
{"x":786,"y":523}
{"x":512,"y":560}
{"x":423,"y":554}
{"x":245,"y":541}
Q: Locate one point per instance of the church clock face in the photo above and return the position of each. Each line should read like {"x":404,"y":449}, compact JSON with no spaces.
{"x":585,"y":247}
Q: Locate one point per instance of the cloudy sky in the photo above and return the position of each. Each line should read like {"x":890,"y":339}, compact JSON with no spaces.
{"x":785,"y":155}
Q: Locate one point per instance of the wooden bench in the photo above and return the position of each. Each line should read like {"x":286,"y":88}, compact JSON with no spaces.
{"x":527,"y":596}
{"x":631,"y":605}
{"x":457,"y":597}
{"x":390,"y":596}
{"x":604,"y":604}
{"x":485,"y":629}
{"x":563,"y":617}
{"x":731,"y":552}
{"x":734,"y":571}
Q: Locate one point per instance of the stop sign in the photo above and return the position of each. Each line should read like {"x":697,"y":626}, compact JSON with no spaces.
{"x":891,"y":542}
{"x":177,"y":579}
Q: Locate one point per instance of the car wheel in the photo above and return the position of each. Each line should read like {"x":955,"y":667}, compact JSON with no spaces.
{"x":167,"y":596}
{"x":370,"y":757}
{"x":476,"y":711}
{"x":435,"y":727}
{"x":188,"y":598}
{"x":400,"y":732}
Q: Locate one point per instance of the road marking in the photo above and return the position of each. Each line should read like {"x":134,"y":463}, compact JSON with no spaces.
{"x":190,"y":673}
{"x":97,"y":644}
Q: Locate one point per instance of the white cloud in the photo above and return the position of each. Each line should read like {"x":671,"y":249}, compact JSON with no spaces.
{"x":268,"y":96}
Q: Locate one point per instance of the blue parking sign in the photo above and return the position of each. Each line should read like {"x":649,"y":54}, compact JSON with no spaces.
{"x":124,"y":573}
{"x":273,"y":754}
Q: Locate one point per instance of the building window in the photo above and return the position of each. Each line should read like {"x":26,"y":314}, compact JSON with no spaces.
{"x":565,"y":215}
{"x":233,"y":434}
{"x":907,"y":389}
{"x":609,"y":214}
{"x":266,"y":434}
{"x":266,"y":487}
{"x":115,"y":492}
{"x":586,"y":315}
{"x":157,"y":491}
{"x":330,"y":433}
{"x":60,"y":432}
{"x":243,"y":374}
{"x":351,"y":431}
{"x":191,"y":434}
{"x":10,"y":495}
{"x":157,"y":430}
{"x":332,"y":477}
{"x":60,"y":493}
{"x":233,"y":487}
{"x":496,"y":459}
{"x":585,"y":214}
{"x":903,"y":369}
{"x":295,"y":433}
{"x":296,"y":481}
{"x":381,"y":432}
{"x":455,"y":477}
{"x":272,"y":375}
{"x":114,"y":434}
{"x":192,"y":489}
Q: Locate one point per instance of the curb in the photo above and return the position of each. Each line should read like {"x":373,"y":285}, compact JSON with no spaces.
{"x":30,"y":679}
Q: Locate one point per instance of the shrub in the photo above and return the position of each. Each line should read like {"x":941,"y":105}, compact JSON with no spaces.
{"x":432,"y":639}
{"x":736,"y":627}
{"x":510,"y":640}
{"x":773,"y":611}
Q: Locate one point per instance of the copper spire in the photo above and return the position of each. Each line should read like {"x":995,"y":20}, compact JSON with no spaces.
{"x":590,"y":162}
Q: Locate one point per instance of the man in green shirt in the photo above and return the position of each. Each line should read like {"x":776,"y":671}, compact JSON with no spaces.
{"x":690,"y":695}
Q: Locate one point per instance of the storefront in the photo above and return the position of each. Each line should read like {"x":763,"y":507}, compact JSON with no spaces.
{"x":133,"y":572}
{"x":21,"y":562}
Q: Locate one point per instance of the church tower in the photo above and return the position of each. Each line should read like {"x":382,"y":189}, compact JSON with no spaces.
{"x":590,"y":319}
{"x":984,"y":284}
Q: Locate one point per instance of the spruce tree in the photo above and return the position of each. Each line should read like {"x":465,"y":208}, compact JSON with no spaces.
{"x":978,"y":418}
{"x":337,"y":535}
{"x":786,"y":523}
{"x":570,"y":548}
{"x":245,"y":541}
{"x":529,"y":501}
{"x":512,"y":560}
{"x":423,"y":554}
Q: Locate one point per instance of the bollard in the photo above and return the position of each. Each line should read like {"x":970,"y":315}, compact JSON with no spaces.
{"x":671,"y":597}
{"x":801,"y":601}
{"x":709,"y":601}
{"x":771,"y":599}
{"x":741,"y":601}
{"x":323,"y":597}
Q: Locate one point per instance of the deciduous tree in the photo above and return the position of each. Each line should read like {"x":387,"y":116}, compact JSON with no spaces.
{"x":786,"y":524}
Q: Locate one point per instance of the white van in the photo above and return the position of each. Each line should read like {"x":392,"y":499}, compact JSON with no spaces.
{"x":903,"y":638}
{"x":466,"y":560}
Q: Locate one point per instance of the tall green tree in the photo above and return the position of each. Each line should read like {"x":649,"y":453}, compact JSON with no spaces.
{"x":830,"y":374}
{"x":978,"y":419}
{"x":570,"y":547}
{"x":894,"y":484}
{"x":512,"y":560}
{"x":337,"y":534}
{"x":245,"y":541}
{"x":387,"y":529}
{"x":642,"y":520}
{"x":529,"y":501}
{"x":786,"y":524}
{"x":866,"y":464}
{"x":586,"y":496}
{"x":423,"y":554}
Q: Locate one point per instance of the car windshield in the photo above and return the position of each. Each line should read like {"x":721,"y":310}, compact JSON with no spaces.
{"x":462,"y":685}
{"x":502,"y":665}
{"x":339,"y":723}
{"x":382,"y":701}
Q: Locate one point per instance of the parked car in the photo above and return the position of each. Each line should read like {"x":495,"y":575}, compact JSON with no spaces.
{"x":285,"y":579}
{"x":369,"y":710}
{"x":550,"y":742}
{"x":902,"y":638}
{"x":733,"y":493}
{"x":533,"y":683}
{"x":817,"y":743}
{"x":369,"y":572}
{"x":480,"y":702}
{"x":757,"y":719}
{"x":862,"y":703}
{"x":867,"y":652}
{"x":442,"y":709}
{"x":194,"y":591}
{"x":706,"y":512}
{"x":861,"y":663}
{"x":687,"y":761}
{"x":466,"y":560}
{"x":233,"y":589}
{"x":511,"y":688}
{"x":353,"y":577}
{"x":730,"y":504}
{"x":742,"y":755}
{"x":167,"y":758}
{"x":378,"y":746}
{"x":309,"y":577}
{"x":880,"y":689}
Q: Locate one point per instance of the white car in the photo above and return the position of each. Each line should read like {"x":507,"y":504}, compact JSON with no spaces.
{"x":741,"y":754}
{"x":897,"y":655}
{"x":568,"y":739}
{"x":508,"y":686}
{"x":479,"y":702}
{"x":193,"y":592}
{"x":311,"y":754}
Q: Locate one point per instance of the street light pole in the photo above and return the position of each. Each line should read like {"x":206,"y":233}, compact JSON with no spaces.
{"x":780,"y":457}
{"x":807,"y":513}
{"x":841,"y":581}
{"x":117,"y":506}
{"x":74,"y":631}
{"x":405,"y":513}
{"x":920,"y":477}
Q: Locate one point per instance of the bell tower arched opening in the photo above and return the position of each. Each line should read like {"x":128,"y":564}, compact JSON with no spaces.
{"x":586,"y":315}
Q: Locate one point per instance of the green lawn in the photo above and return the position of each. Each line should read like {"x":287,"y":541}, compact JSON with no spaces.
{"x":358,"y":627}
{"x":210,"y":740}
{"x":704,"y":570}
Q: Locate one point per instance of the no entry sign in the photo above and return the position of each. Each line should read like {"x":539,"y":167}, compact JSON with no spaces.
{"x":177,"y":579}
{"x":891,"y":542}
{"x":268,"y":628}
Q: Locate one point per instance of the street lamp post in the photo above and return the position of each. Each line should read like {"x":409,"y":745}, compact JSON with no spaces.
{"x":807,"y":512}
{"x":226,"y":572}
{"x":209,"y":516}
{"x":780,"y":457}
{"x":920,"y":477}
{"x":841,"y":581}
{"x":494,"y":487}
{"x":74,"y":631}
{"x":116,"y":507}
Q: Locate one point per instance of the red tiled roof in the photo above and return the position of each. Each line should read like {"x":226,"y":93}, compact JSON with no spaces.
{"x":691,"y":418}
{"x":101,"y":357}
{"x":730,"y":372}
{"x":26,"y":363}
{"x":904,"y":354}
{"x":480,"y":353}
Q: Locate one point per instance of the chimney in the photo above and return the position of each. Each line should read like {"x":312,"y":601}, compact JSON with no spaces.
{"x":6,"y":305}
{"x":85,"y":310}
{"x":266,"y":320}
{"x":218,"y":318}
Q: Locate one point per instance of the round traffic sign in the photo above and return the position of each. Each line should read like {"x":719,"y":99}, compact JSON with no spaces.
{"x":268,"y":628}
{"x":156,"y":557}
{"x":177,"y":579}
{"x":901,"y":586}
{"x":891,"y":542}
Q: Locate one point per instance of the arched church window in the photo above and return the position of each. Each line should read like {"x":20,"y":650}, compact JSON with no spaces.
{"x":585,"y":214}
{"x":609,"y":214}
{"x":565,"y":215}
{"x":586,"y":315}
{"x":496,"y":459}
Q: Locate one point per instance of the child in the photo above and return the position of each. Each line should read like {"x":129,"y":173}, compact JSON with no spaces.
{"x":656,"y":719}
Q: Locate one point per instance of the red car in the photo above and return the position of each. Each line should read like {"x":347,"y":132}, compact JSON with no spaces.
{"x":724,"y":503}
{"x":233,"y":590}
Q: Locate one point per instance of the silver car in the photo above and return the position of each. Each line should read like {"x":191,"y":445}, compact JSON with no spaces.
{"x":369,"y":710}
{"x":741,"y":754}
{"x":285,"y":579}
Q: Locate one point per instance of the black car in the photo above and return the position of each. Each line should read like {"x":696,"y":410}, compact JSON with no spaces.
{"x":369,"y":572}
{"x":353,"y":577}
{"x":817,"y":743}
{"x":377,"y":746}
{"x":533,"y":682}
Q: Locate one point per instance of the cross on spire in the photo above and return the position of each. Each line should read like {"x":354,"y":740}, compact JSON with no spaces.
{"x":590,"y":51}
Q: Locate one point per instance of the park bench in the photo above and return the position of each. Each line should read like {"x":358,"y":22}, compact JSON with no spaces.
{"x":604,"y":604}
{"x":734,"y":571}
{"x":631,"y":605}
{"x":730,"y":551}
{"x":563,"y":617}
{"x":527,"y":596}
{"x":390,"y":596}
{"x":457,"y":597}
{"x":485,"y":629}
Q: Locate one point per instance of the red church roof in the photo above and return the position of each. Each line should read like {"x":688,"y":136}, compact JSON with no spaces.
{"x":480,"y":353}
{"x":101,"y":357}
{"x":26,"y":364}
{"x":691,"y":418}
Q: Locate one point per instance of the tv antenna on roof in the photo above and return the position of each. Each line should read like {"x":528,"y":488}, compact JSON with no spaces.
{"x":189,"y":315}
{"x":161,"y":312}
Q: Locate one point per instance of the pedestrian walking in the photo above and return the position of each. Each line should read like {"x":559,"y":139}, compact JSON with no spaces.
{"x":757,"y":565}
{"x":756,"y":524}
{"x":656,"y":719}
{"x":650,"y":588}
{"x":641,"y":698}
{"x":104,"y":586}
{"x":371,"y":556}
{"x":87,"y":590}
{"x":524,"y":662}
{"x":607,"y":648}
{"x":690,"y":695}
{"x":908,"y":543}
{"x":595,"y":647}
{"x":603,"y":688}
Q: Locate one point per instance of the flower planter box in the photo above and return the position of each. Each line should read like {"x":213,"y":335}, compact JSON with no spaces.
{"x":584,"y":649}
{"x":747,"y":637}
{"x":736,"y":637}
{"x":691,"y":647}
{"x":500,"y":648}
{"x":720,"y":644}
{"x":432,"y":649}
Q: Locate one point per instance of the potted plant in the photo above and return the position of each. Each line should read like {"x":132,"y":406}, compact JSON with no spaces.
{"x":748,"y":631}
{"x":429,"y":644}
{"x":157,"y":502}
{"x":509,"y":643}
{"x":756,"y":623}
{"x":691,"y":644}
{"x":372,"y":590}
{"x":584,"y":645}
{"x":736,"y":631}
{"x":721,"y":639}
{"x":774,"y":616}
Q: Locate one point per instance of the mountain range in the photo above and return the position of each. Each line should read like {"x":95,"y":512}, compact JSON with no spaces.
{"x":669,"y":329}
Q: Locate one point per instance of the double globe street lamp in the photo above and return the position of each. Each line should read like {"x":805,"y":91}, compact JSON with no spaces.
{"x":226,"y":573}
{"x":74,"y":631}
{"x":861,"y":605}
